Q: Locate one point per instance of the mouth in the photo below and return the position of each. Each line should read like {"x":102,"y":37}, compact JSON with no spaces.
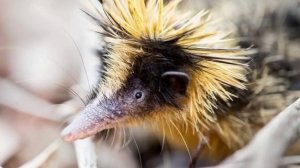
{"x":89,"y":122}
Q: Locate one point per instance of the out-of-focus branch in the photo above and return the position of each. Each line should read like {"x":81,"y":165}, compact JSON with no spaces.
{"x":43,"y":157}
{"x":85,"y":153}
{"x":10,"y":142}
{"x":290,"y":160}
{"x":17,"y":98}
{"x":270,"y":143}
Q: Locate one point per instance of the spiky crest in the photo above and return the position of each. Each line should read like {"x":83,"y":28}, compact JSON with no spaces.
{"x":127,"y":23}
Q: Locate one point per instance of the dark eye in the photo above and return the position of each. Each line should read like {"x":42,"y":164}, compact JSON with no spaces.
{"x":138,"y":95}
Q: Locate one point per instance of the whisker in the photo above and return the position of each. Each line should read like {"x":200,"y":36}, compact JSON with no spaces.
{"x":163,"y":140}
{"x":171,"y":132}
{"x":49,"y":17}
{"x":178,"y":130}
{"x":113,"y":140}
{"x":124,"y":137}
{"x":74,"y":93}
{"x":81,"y":58}
{"x":56,"y":63}
{"x":63,"y":70}
{"x":138,"y":149}
{"x":128,"y":141}
{"x":107,"y":135}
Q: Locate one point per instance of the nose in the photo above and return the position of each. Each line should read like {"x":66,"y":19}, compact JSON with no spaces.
{"x":91,"y":120}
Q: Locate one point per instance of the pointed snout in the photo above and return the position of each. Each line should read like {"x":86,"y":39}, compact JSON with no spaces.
{"x":91,"y":120}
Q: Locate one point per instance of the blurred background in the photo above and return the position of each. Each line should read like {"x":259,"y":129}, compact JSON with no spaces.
{"x":48,"y":65}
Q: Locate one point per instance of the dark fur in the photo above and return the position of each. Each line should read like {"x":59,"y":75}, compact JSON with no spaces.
{"x":160,"y":57}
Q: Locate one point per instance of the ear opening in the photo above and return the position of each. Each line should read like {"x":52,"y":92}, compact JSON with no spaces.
{"x":173,"y":84}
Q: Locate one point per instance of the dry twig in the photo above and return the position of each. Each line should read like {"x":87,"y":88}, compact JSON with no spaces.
{"x":86,"y":154}
{"x":269,"y":145}
{"x":26,"y":102}
{"x":43,"y":157}
{"x":9,"y":140}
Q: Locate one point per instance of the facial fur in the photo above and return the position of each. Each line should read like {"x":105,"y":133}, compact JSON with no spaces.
{"x":183,"y":64}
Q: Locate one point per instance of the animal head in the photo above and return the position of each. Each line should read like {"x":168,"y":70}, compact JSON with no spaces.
{"x":160,"y":65}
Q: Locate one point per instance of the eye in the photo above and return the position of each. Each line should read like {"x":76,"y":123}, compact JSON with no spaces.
{"x":139,"y":95}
